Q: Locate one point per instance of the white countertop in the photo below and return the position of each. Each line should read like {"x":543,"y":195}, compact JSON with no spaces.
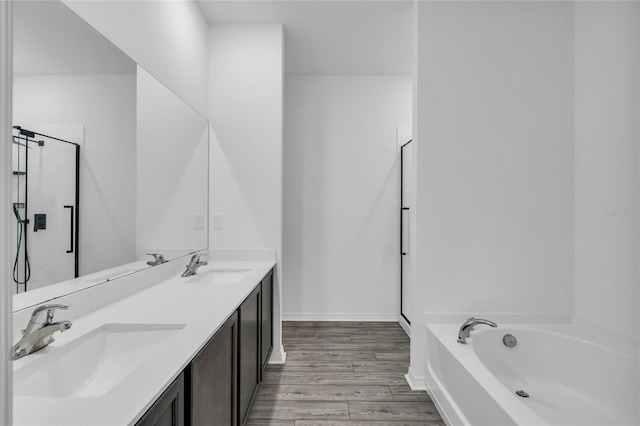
{"x":200,"y":305}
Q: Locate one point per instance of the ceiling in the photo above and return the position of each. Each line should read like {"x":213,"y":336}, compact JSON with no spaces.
{"x":49,"y":38}
{"x":330,"y":37}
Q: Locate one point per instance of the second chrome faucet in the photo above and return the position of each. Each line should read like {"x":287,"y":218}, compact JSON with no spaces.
{"x":192,"y":267}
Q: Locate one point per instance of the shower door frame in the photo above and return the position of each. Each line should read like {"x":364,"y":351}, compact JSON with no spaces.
{"x":402,"y":210}
{"x":75,"y":215}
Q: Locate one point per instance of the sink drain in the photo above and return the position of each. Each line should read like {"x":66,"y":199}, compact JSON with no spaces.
{"x":522,"y":394}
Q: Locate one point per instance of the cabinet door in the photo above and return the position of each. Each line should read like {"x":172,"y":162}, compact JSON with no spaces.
{"x":249,"y":352}
{"x":214,"y":379}
{"x":266,"y":321}
{"x":168,"y":410}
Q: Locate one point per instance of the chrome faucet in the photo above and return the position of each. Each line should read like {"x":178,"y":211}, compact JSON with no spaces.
{"x":193,"y":266}
{"x":38,"y":333}
{"x":468,"y":325}
{"x":158,"y":259}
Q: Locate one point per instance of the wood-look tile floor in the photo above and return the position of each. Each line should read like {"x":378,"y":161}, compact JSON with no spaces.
{"x":342,"y":374}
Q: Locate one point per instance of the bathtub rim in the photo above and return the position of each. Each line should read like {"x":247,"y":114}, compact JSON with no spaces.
{"x":593,"y":332}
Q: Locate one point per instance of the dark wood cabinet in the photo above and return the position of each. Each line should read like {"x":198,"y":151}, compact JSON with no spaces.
{"x":266,"y":322}
{"x":249,"y":350}
{"x":168,"y":410}
{"x":219,"y":385}
{"x":214,"y":376}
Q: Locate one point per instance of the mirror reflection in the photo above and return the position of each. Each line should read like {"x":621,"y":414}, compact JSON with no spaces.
{"x":46,"y":177}
{"x":108,"y":164}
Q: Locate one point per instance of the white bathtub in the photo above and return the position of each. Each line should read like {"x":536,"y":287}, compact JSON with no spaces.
{"x":570,"y":381}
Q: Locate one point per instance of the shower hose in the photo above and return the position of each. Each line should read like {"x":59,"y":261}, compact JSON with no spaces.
{"x":21,"y":230}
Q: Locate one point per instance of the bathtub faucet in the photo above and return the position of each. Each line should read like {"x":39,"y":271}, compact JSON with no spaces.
{"x":468,"y":325}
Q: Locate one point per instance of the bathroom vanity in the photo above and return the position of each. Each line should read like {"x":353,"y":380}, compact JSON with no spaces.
{"x":153,"y":348}
{"x":220,"y":383}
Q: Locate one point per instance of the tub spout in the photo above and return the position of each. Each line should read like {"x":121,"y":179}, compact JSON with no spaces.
{"x":468,"y":325}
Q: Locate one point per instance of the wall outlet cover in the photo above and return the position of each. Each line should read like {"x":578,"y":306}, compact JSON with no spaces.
{"x":198,"y":221}
{"x":218,"y":222}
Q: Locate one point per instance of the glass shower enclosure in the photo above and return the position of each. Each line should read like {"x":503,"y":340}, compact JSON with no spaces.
{"x":46,"y":197}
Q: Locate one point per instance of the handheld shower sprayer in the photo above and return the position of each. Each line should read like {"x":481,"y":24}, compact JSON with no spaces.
{"x":16,"y":212}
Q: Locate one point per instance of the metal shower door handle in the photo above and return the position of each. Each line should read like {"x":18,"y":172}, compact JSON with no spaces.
{"x":404,"y":231}
{"x":72,"y":230}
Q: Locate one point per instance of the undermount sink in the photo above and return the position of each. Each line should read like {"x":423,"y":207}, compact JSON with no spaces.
{"x":220,"y":275}
{"x":92,"y":364}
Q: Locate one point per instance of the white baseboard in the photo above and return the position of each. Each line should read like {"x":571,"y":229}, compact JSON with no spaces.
{"x":278,"y":356}
{"x":340,"y":317}
{"x":415,"y":382}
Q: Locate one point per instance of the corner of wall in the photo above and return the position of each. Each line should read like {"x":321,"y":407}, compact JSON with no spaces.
{"x":246,"y":174}
{"x":147,"y":32}
{"x":278,"y":356}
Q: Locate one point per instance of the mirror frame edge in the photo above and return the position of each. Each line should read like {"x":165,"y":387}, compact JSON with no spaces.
{"x":6,"y":299}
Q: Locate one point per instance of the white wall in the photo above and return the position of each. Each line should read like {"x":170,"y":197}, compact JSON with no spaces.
{"x":168,"y":38}
{"x":494,"y":126}
{"x":246,"y":144}
{"x":172,"y":170}
{"x":330,"y":37}
{"x":106,"y":106}
{"x":341,"y":196}
{"x":245,"y":112}
{"x":607,"y":190}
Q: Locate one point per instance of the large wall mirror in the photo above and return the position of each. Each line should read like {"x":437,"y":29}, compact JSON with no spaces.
{"x":108,"y":164}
